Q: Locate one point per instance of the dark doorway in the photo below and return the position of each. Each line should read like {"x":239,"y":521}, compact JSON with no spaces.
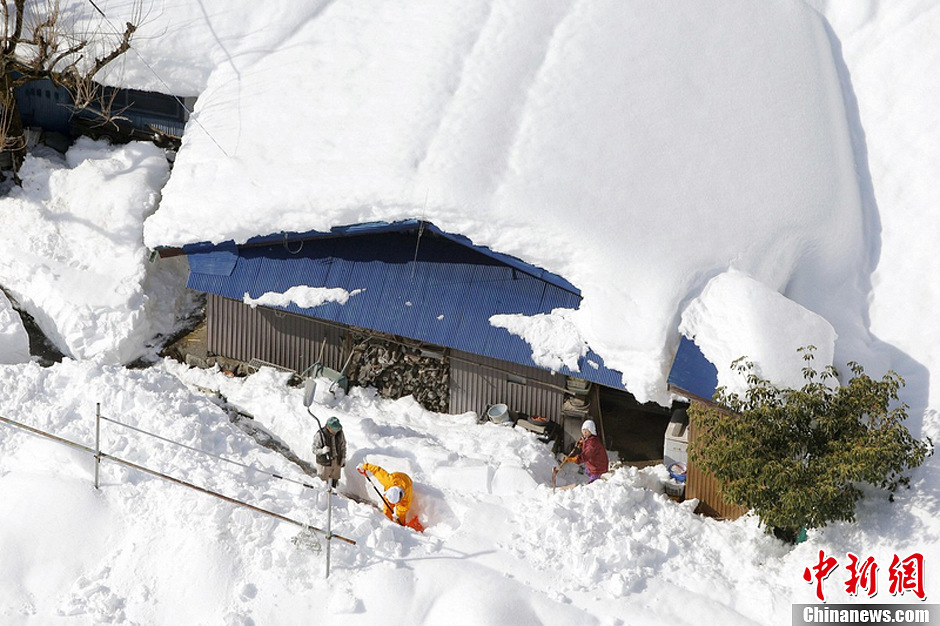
{"x":635,"y":431}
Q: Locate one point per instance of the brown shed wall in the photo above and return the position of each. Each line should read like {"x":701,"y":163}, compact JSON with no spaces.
{"x":241,"y":333}
{"x":237,"y":331}
{"x":704,"y":486}
{"x":477,"y":382}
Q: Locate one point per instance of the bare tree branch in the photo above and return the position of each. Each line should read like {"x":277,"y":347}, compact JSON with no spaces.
{"x":38,"y":44}
{"x":123,"y":47}
{"x":14,"y":39}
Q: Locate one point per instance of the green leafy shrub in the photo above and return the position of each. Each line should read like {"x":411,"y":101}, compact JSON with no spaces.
{"x":796,"y":457}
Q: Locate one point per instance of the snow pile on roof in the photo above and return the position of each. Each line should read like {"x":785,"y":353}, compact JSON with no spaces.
{"x":891,"y":50}
{"x":71,"y":251}
{"x":554,"y":338}
{"x":736,"y":316}
{"x":717,"y":140}
{"x":305,"y":297}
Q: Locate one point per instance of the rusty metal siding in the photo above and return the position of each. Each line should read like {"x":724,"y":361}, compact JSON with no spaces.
{"x":477,"y":382}
{"x":702,"y":485}
{"x":238,"y":332}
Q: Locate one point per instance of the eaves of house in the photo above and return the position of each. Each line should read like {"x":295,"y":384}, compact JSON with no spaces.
{"x":410,"y":279}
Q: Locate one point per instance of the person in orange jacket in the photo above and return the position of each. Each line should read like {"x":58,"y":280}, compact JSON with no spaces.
{"x":398,"y":491}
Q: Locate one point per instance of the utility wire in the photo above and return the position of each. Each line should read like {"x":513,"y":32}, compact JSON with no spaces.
{"x":215,"y":456}
{"x":162,"y":82}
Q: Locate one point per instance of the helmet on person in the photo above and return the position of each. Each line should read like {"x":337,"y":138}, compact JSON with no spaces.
{"x":334,"y":425}
{"x":394,"y":494}
{"x":589,"y":426}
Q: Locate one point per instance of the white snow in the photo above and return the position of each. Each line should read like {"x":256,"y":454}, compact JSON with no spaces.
{"x":736,"y":316}
{"x":554,"y":338}
{"x":14,"y":342}
{"x":303,"y":296}
{"x":72,"y":253}
{"x":714,"y":171}
{"x":480,"y":118}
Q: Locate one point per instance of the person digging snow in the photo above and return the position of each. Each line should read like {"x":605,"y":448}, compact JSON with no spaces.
{"x":593,"y":455}
{"x":329,"y":446}
{"x":398,"y":491}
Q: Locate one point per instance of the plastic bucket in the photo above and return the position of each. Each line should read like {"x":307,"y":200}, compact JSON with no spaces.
{"x":674,"y":490}
{"x":498,"y":413}
{"x":677,"y":472}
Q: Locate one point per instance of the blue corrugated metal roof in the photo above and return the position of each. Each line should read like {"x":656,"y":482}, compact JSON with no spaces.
{"x":436,"y":288}
{"x":691,"y":372}
{"x":293,"y":238}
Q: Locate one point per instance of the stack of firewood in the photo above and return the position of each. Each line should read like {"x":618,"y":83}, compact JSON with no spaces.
{"x":396,"y":370}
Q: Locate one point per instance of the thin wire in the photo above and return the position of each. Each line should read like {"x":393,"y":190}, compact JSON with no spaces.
{"x":162,"y":82}
{"x":92,"y":2}
{"x":417,"y":245}
{"x":215,"y":456}
{"x":421,"y":223}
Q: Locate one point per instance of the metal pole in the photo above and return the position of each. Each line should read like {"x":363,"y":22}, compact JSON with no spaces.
{"x":97,"y":441}
{"x":146,"y":470}
{"x":329,"y":523}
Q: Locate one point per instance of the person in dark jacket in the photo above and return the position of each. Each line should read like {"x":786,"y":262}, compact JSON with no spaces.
{"x":329,"y":446}
{"x":593,"y":455}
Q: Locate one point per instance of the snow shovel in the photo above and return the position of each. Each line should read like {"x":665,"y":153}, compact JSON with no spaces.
{"x":308,"y":400}
{"x":557,"y":468}
{"x":414,"y":524}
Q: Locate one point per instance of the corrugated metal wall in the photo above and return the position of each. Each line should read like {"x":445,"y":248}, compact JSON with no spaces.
{"x":702,"y":485}
{"x":237,"y":331}
{"x":477,"y":382}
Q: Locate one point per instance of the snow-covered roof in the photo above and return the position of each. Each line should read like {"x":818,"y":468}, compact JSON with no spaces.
{"x":634,"y":150}
{"x":408,"y":279}
{"x":71,"y":253}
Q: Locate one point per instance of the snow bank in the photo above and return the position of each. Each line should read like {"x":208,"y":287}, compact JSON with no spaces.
{"x":72,"y":255}
{"x":14,"y":342}
{"x":499,"y":541}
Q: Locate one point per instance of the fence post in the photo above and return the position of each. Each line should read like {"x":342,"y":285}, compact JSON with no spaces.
{"x":97,"y":440}
{"x":329,"y":523}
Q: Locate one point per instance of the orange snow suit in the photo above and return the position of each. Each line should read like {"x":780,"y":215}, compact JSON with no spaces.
{"x":395,"y":479}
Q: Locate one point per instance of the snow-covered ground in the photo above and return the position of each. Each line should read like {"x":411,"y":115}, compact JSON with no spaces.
{"x":816,"y":138}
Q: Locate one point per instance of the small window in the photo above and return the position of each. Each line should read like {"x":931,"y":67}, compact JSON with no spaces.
{"x":516,"y":380}
{"x":48,"y":95}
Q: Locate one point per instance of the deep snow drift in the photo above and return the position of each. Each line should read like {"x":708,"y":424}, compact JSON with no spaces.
{"x":73,"y":255}
{"x":500,"y":545}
